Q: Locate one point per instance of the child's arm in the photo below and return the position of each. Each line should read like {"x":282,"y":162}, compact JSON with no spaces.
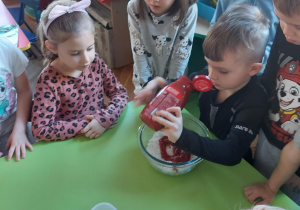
{"x":148,"y":92}
{"x":288,"y":163}
{"x":228,"y":151}
{"x":182,"y":46}
{"x":106,"y":116}
{"x":18,"y":140}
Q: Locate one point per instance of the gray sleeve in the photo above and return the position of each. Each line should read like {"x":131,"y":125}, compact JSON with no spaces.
{"x":183,"y":44}
{"x":139,"y":52}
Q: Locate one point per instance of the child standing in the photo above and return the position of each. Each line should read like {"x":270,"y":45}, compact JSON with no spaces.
{"x":69,"y":98}
{"x":15,"y":102}
{"x":266,"y":7}
{"x":161,"y":33}
{"x":279,"y":139}
{"x":233,"y":109}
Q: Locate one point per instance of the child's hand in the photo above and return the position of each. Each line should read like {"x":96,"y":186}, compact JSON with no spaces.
{"x":172,"y":120}
{"x":17,"y":144}
{"x":93,"y":130}
{"x":1,"y":154}
{"x":144,"y":96}
{"x":260,"y":190}
{"x":148,"y":92}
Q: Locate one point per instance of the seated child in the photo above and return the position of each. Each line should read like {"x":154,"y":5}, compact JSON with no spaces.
{"x":233,"y":109}
{"x":277,"y":154}
{"x":69,"y":97}
{"x":266,"y":7}
{"x":15,"y":104}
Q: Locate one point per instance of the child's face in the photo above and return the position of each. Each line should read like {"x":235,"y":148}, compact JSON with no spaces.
{"x":290,"y":27}
{"x":232,"y":73}
{"x":159,"y":7}
{"x":76,"y":53}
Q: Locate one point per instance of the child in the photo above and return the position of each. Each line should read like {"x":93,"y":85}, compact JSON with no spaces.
{"x":266,"y":7}
{"x":233,"y":110}
{"x":15,"y":102}
{"x":69,"y":98}
{"x":279,"y":139}
{"x":161,"y":33}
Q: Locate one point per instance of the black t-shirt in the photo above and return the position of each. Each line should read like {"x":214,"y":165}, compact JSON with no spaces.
{"x":282,"y":81}
{"x":235,"y":123}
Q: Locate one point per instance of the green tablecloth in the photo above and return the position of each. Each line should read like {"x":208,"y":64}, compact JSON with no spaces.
{"x":79,"y":173}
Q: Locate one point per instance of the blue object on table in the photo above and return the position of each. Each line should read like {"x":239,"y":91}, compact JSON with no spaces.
{"x":205,"y":9}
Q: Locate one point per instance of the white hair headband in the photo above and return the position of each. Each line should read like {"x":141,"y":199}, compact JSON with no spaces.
{"x":60,"y":10}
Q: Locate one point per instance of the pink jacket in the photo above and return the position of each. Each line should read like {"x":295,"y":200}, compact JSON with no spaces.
{"x":61,"y":102}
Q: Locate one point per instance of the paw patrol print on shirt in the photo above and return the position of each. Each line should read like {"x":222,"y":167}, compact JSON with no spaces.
{"x":288,"y":94}
{"x":183,"y":49}
{"x":160,"y":42}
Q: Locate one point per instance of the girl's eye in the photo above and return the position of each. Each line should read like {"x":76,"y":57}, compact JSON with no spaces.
{"x":75,"y":53}
{"x":297,"y":27}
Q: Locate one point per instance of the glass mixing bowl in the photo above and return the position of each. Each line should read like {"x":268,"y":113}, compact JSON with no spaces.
{"x":145,"y":134}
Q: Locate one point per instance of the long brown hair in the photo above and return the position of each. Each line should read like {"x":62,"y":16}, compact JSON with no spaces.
{"x":180,"y":6}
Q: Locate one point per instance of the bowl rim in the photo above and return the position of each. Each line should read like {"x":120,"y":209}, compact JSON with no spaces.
{"x":191,"y":162}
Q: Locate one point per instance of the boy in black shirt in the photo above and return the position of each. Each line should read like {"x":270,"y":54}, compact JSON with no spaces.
{"x":277,"y":155}
{"x":233,"y":109}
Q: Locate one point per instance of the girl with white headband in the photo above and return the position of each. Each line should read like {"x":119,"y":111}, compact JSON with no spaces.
{"x":69,"y":96}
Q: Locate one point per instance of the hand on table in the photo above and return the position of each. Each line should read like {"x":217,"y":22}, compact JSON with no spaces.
{"x":260,"y":190}
{"x":172,"y":120}
{"x":94,"y":129}
{"x":17,"y":144}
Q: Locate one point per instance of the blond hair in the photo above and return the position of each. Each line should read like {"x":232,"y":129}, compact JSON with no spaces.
{"x":242,"y":27}
{"x":62,"y":28}
{"x":288,"y":7}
